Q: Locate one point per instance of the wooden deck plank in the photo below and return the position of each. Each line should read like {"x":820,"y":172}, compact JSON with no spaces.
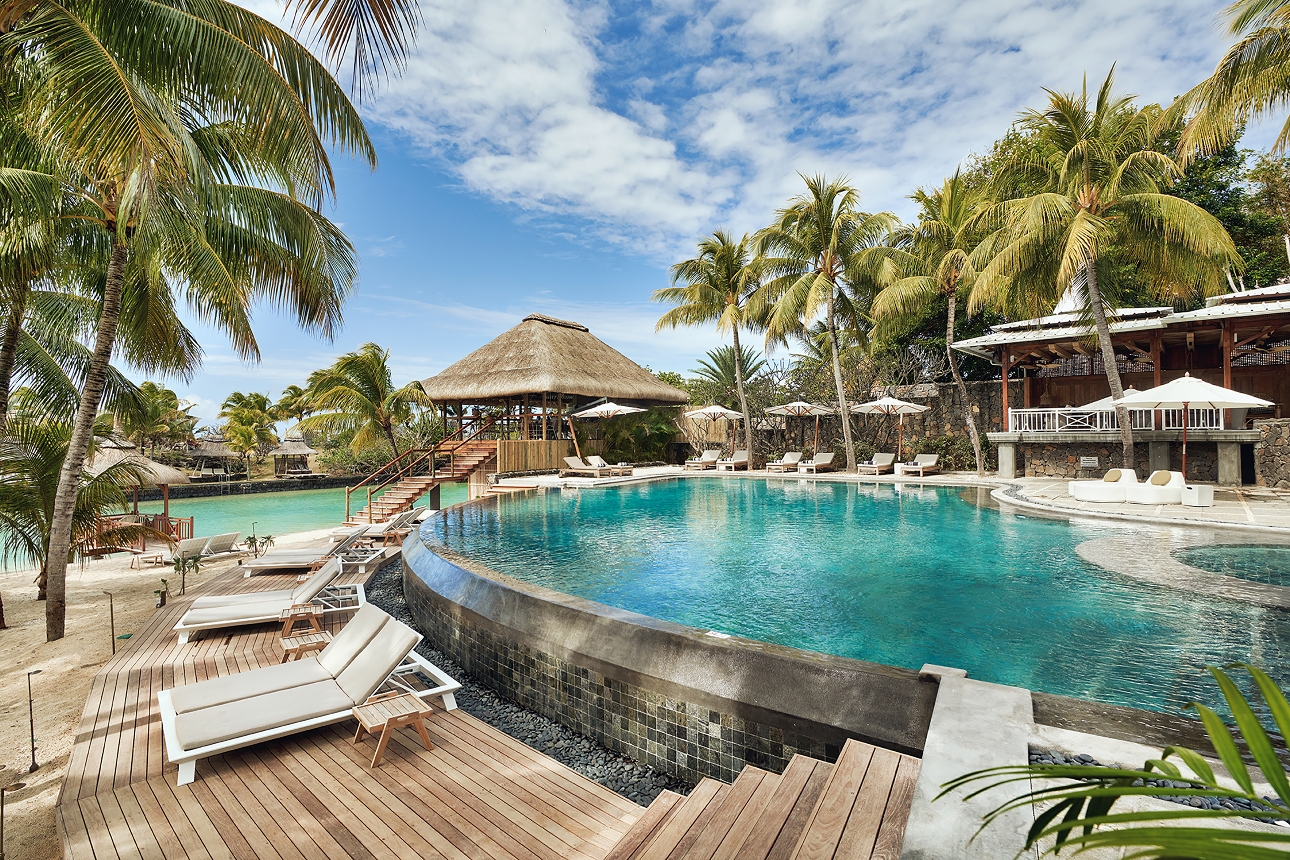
{"x":791,"y":832}
{"x":747,"y":819}
{"x":145,"y":834}
{"x":72,"y":831}
{"x":891,"y":836}
{"x":861,"y":830}
{"x":761,"y":838}
{"x":719,"y":824}
{"x":700,"y":824}
{"x":681,"y":821}
{"x":190,"y":823}
{"x":820,"y":839}
{"x":646,"y":825}
{"x":101,"y":842}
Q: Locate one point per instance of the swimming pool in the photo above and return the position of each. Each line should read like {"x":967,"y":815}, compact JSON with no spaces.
{"x":897,"y":575}
{"x":274,"y":513}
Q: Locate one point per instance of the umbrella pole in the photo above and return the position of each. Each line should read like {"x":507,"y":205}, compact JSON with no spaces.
{"x":817,"y":437}
{"x":900,"y":436}
{"x":575,"y":438}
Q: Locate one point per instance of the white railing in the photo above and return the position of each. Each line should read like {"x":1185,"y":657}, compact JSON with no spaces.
{"x":1073,"y":420}
{"x":1197,"y":419}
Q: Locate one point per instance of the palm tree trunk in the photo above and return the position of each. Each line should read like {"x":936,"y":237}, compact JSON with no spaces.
{"x":743,"y":399}
{"x":842,"y":396}
{"x":60,"y":532}
{"x":1108,"y":360}
{"x":962,"y":386}
{"x":9,"y":349}
{"x":389,"y":434}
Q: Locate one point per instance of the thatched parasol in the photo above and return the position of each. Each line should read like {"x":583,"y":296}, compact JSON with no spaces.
{"x":292,"y":446}
{"x":541,"y":355}
{"x":110,"y":452}
{"x":213,"y":448}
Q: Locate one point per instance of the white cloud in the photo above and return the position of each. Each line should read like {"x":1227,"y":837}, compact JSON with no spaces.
{"x":702,"y":116}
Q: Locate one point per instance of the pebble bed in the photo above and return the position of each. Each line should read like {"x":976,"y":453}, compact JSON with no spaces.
{"x":637,"y":782}
{"x":1083,"y":760}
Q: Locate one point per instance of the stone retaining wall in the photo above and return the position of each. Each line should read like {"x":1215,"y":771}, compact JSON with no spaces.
{"x":1272,"y":453}
{"x":1061,"y":460}
{"x":688,"y":704}
{"x":237,"y":488}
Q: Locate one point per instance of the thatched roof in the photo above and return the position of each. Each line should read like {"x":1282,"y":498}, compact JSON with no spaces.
{"x":542,"y":354}
{"x":154,"y":474}
{"x":292,"y":446}
{"x":213,"y":447}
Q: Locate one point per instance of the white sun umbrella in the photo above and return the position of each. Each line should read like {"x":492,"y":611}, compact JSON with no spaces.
{"x":1108,"y":402}
{"x":608,"y":409}
{"x":1188,"y":392}
{"x":891,"y":406}
{"x":713,"y":413}
{"x":802,"y":409}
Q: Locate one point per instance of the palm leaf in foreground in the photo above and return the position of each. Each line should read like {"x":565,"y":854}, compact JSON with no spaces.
{"x":1084,"y":799}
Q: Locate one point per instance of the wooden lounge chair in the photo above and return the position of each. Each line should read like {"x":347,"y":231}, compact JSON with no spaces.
{"x":787,"y":463}
{"x":730,"y":464}
{"x":295,"y":559}
{"x":373,"y":651}
{"x":707,"y":460}
{"x":1162,"y":488}
{"x":190,"y":548}
{"x":598,"y":462}
{"x":818,"y":463}
{"x":578,"y":469}
{"x":225,"y":544}
{"x":1112,"y":487}
{"x":376,"y":531}
{"x":261,"y":607}
{"x":877,"y":464}
{"x":921,"y":465}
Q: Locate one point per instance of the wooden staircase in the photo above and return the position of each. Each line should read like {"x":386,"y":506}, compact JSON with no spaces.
{"x":462,"y":459}
{"x":855,"y":809}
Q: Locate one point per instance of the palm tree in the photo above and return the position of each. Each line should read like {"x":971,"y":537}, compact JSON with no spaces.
{"x":293,"y":404}
{"x":195,"y":141}
{"x":722,"y":367}
{"x":818,"y":245}
{"x":357,"y":394}
{"x":940,"y":266}
{"x":1104,"y":189}
{"x":715,"y":287}
{"x":160,"y":417}
{"x":31,"y":457}
{"x":1251,"y":81}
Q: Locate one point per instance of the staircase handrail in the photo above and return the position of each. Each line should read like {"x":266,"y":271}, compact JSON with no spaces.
{"x":423,"y":453}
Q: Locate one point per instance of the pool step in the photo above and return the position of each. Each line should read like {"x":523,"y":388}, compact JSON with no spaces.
{"x":857,"y":808}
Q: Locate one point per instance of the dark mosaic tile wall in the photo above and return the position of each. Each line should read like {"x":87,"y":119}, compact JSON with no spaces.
{"x":681,"y":738}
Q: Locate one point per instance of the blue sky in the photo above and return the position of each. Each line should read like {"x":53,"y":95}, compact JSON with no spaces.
{"x":557,"y":155}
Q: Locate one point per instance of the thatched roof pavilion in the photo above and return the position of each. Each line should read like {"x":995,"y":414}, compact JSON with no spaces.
{"x":291,"y":457}
{"x":547,"y":355}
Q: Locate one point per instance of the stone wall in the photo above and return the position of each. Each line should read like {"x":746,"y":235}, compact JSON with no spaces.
{"x":635,"y":684}
{"x":237,"y":488}
{"x":1272,"y":453}
{"x":1061,"y":460}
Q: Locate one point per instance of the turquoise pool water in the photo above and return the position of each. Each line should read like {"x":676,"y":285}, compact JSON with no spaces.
{"x":1267,"y":563}
{"x":930,"y":575}
{"x":274,"y":513}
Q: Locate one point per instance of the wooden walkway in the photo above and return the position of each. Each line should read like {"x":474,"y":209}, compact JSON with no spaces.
{"x":479,"y":794}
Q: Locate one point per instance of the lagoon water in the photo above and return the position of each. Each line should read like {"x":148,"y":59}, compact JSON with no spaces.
{"x":897,"y":575}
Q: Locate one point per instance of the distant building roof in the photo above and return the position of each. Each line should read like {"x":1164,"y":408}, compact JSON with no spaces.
{"x":543,"y":354}
{"x":292,"y":446}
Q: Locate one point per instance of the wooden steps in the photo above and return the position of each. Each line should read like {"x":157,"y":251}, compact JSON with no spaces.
{"x":467,"y":457}
{"x":857,"y":808}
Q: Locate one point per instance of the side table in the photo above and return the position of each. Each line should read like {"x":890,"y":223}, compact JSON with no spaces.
{"x":295,"y":647}
{"x":301,"y":613}
{"x":387,"y":712}
{"x":1198,"y":495}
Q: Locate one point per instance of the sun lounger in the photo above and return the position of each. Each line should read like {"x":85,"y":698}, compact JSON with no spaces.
{"x":190,"y":548}
{"x":733,"y":463}
{"x":1162,"y":488}
{"x":292,"y":559}
{"x":224,"y":544}
{"x":598,"y":462}
{"x":373,"y":651}
{"x":921,"y":465}
{"x":577,"y":469}
{"x":877,"y":464}
{"x":707,"y":460}
{"x":376,"y":531}
{"x":237,"y":610}
{"x":818,"y":463}
{"x":1112,"y":487}
{"x":787,"y":463}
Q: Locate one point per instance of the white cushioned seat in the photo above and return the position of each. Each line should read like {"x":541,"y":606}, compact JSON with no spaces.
{"x":302,"y":593}
{"x":373,"y":665}
{"x":1110,"y":489}
{"x":354,"y":639}
{"x":1162,"y":488}
{"x":246,"y":685}
{"x":236,"y":612}
{"x":261,"y":713}
{"x":211,"y":600}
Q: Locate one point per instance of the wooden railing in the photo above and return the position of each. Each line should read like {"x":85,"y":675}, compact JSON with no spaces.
{"x":411,"y":460}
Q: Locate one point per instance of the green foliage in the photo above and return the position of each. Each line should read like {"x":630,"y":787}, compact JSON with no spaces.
{"x":1077,"y":802}
{"x":160,"y":418}
{"x":641,"y":437}
{"x":719,"y":371}
{"x":672,"y":378}
{"x":357,"y":394}
{"x":250,"y":424}
{"x":955,"y":451}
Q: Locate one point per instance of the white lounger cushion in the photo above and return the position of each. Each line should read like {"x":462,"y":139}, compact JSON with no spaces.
{"x":244,"y":685}
{"x":357,"y":635}
{"x":374,"y":663}
{"x":236,"y":611}
{"x":244,"y":717}
{"x":302,"y":593}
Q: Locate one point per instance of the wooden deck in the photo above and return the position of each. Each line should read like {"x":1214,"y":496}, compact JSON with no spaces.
{"x":478,"y":794}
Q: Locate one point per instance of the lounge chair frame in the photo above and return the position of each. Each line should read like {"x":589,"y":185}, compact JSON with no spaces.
{"x":333,"y":598}
{"x":784,"y":464}
{"x":880,"y":464}
{"x":932,"y":466}
{"x":291,"y":559}
{"x":398,"y":680}
{"x":703,"y":461}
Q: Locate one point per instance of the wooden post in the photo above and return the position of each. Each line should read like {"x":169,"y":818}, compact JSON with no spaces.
{"x":1228,"y":336}
{"x":1005,"y":364}
{"x":1157,"y":369}
{"x":543,"y":416}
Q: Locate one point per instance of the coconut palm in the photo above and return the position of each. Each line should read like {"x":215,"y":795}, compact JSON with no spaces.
{"x":31,"y":458}
{"x":1104,"y":189}
{"x":293,"y":404}
{"x":194,"y":140}
{"x":939,"y":267}
{"x":819,"y":245}
{"x":357,"y":394}
{"x":726,"y":369}
{"x":715,"y":287}
{"x":1251,"y":81}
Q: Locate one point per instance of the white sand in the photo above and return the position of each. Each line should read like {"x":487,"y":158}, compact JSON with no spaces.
{"x":67,"y":668}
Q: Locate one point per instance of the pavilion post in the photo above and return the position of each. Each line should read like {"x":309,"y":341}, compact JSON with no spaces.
{"x":1006,"y":364}
{"x":543,"y":416}
{"x":1184,"y":453}
{"x":576,"y":449}
{"x":1229,"y":337}
{"x":1157,"y":417}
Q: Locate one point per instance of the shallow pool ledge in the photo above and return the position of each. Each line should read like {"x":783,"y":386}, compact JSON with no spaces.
{"x":680,"y":699}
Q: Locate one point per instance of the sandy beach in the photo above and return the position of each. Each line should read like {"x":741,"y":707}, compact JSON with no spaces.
{"x":67,"y":668}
